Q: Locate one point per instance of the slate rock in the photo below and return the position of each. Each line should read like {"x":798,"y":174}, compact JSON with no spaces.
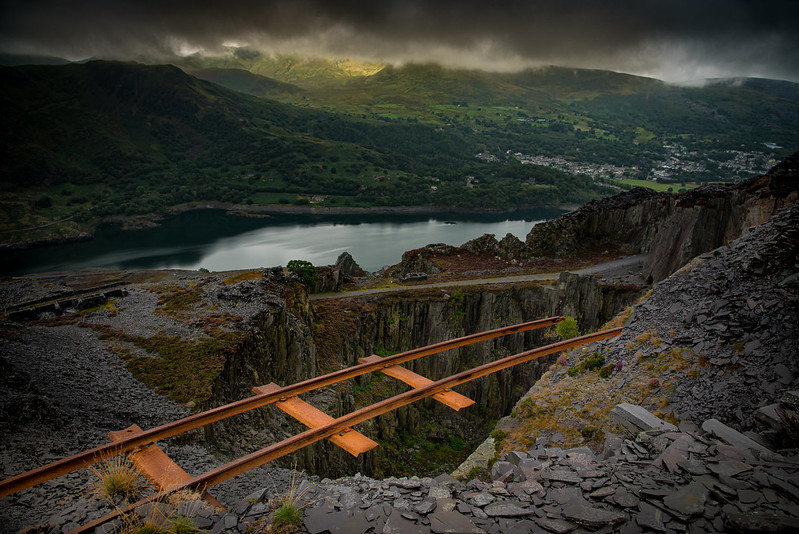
{"x":729,"y":468}
{"x":651,"y":517}
{"x":506,"y":509}
{"x":760,"y":521}
{"x":791,"y":399}
{"x":482,"y":499}
{"x":635,"y":418}
{"x":625,"y":499}
{"x":452,"y":523}
{"x":358,"y":523}
{"x":561,"y":476}
{"x":515,"y":457}
{"x":317,"y":520}
{"x":735,"y":438}
{"x":592,"y":517}
{"x":689,"y":500}
{"x":525,"y":526}
{"x":602,"y":492}
{"x":555,"y":525}
{"x":397,"y":524}
{"x":425,"y":507}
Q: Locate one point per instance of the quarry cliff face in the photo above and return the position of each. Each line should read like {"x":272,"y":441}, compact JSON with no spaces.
{"x":293,"y":341}
{"x":671,"y":229}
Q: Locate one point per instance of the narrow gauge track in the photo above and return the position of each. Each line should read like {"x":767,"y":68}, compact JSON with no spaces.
{"x":326,"y":427}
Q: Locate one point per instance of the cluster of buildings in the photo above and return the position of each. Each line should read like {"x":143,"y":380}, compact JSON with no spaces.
{"x":678,"y":164}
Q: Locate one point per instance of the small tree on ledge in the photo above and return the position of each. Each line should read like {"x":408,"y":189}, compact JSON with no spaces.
{"x":567,"y":328}
{"x":305,"y":270}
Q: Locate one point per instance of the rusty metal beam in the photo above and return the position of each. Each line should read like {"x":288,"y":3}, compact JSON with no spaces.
{"x":453,"y":399}
{"x":86,"y":458}
{"x":350,"y":440}
{"x":312,"y":435}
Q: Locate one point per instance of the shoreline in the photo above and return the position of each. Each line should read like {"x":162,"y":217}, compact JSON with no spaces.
{"x":152,"y":220}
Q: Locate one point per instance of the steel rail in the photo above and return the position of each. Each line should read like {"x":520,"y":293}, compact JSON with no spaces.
{"x":298,"y":441}
{"x":72,"y":463}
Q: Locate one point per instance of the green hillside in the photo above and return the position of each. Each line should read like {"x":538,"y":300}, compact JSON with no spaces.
{"x":84,"y":142}
{"x":582,"y":115}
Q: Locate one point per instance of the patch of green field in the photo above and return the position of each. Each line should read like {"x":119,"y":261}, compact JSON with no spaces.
{"x":657,"y":186}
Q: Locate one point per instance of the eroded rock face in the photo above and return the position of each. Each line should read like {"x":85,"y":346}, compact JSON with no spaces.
{"x":348,"y":266}
{"x":672,"y":229}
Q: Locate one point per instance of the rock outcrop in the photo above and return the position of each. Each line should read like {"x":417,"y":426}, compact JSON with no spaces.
{"x":348,"y":266}
{"x":671,"y":229}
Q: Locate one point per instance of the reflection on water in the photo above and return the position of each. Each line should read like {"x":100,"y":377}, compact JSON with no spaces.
{"x":216,"y":241}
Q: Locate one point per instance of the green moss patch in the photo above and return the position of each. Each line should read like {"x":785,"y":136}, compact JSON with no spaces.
{"x":182,"y":369}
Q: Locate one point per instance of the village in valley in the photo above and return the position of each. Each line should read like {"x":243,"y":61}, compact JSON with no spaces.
{"x":678,"y":165}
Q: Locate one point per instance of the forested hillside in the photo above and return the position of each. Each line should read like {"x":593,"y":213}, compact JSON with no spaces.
{"x":590,"y":116}
{"x":86,"y":141}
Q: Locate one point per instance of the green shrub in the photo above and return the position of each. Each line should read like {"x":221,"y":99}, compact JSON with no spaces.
{"x":594,"y":361}
{"x":567,"y":328}
{"x":456,"y":444}
{"x":607,"y":370}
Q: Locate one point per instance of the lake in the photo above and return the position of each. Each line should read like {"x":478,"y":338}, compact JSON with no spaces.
{"x":216,"y":241}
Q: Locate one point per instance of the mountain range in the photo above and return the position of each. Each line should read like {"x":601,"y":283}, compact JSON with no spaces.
{"x":83,"y":142}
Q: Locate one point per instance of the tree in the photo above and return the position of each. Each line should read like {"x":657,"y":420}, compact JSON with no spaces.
{"x":567,"y":328}
{"x":305,"y":270}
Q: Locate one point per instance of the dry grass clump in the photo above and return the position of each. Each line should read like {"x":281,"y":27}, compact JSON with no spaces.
{"x":117,"y":479}
{"x":243,"y":276}
{"x":288,"y":515}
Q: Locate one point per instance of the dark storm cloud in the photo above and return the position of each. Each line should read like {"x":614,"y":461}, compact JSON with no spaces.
{"x":666,"y":38}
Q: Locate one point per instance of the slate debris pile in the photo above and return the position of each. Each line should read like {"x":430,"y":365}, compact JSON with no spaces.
{"x":735,"y":308}
{"x":664,"y":479}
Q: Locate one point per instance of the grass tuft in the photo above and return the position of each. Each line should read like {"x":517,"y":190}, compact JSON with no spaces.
{"x":116,"y":479}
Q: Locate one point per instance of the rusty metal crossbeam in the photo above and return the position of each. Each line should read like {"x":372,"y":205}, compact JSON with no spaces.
{"x":156,"y":466}
{"x":454,"y":400}
{"x":350,"y":440}
{"x":67,"y":465}
{"x":312,"y":435}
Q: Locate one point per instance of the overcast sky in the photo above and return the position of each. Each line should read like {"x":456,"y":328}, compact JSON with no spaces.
{"x":674,"y":40}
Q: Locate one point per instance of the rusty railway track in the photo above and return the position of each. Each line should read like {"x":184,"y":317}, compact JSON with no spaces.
{"x":155,"y":465}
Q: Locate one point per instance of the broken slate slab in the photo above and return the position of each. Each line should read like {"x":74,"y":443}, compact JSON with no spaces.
{"x":316,"y":520}
{"x":729,"y":468}
{"x":555,"y":525}
{"x":561,"y":476}
{"x":675,"y":453}
{"x":453,"y":523}
{"x":759,"y":521}
{"x":592,"y":517}
{"x":736,"y":439}
{"x":506,"y":509}
{"x":689,"y":500}
{"x":651,"y":517}
{"x":637,"y":419}
{"x":397,"y":524}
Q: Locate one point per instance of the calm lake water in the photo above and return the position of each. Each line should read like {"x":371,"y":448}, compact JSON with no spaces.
{"x":216,"y":241}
